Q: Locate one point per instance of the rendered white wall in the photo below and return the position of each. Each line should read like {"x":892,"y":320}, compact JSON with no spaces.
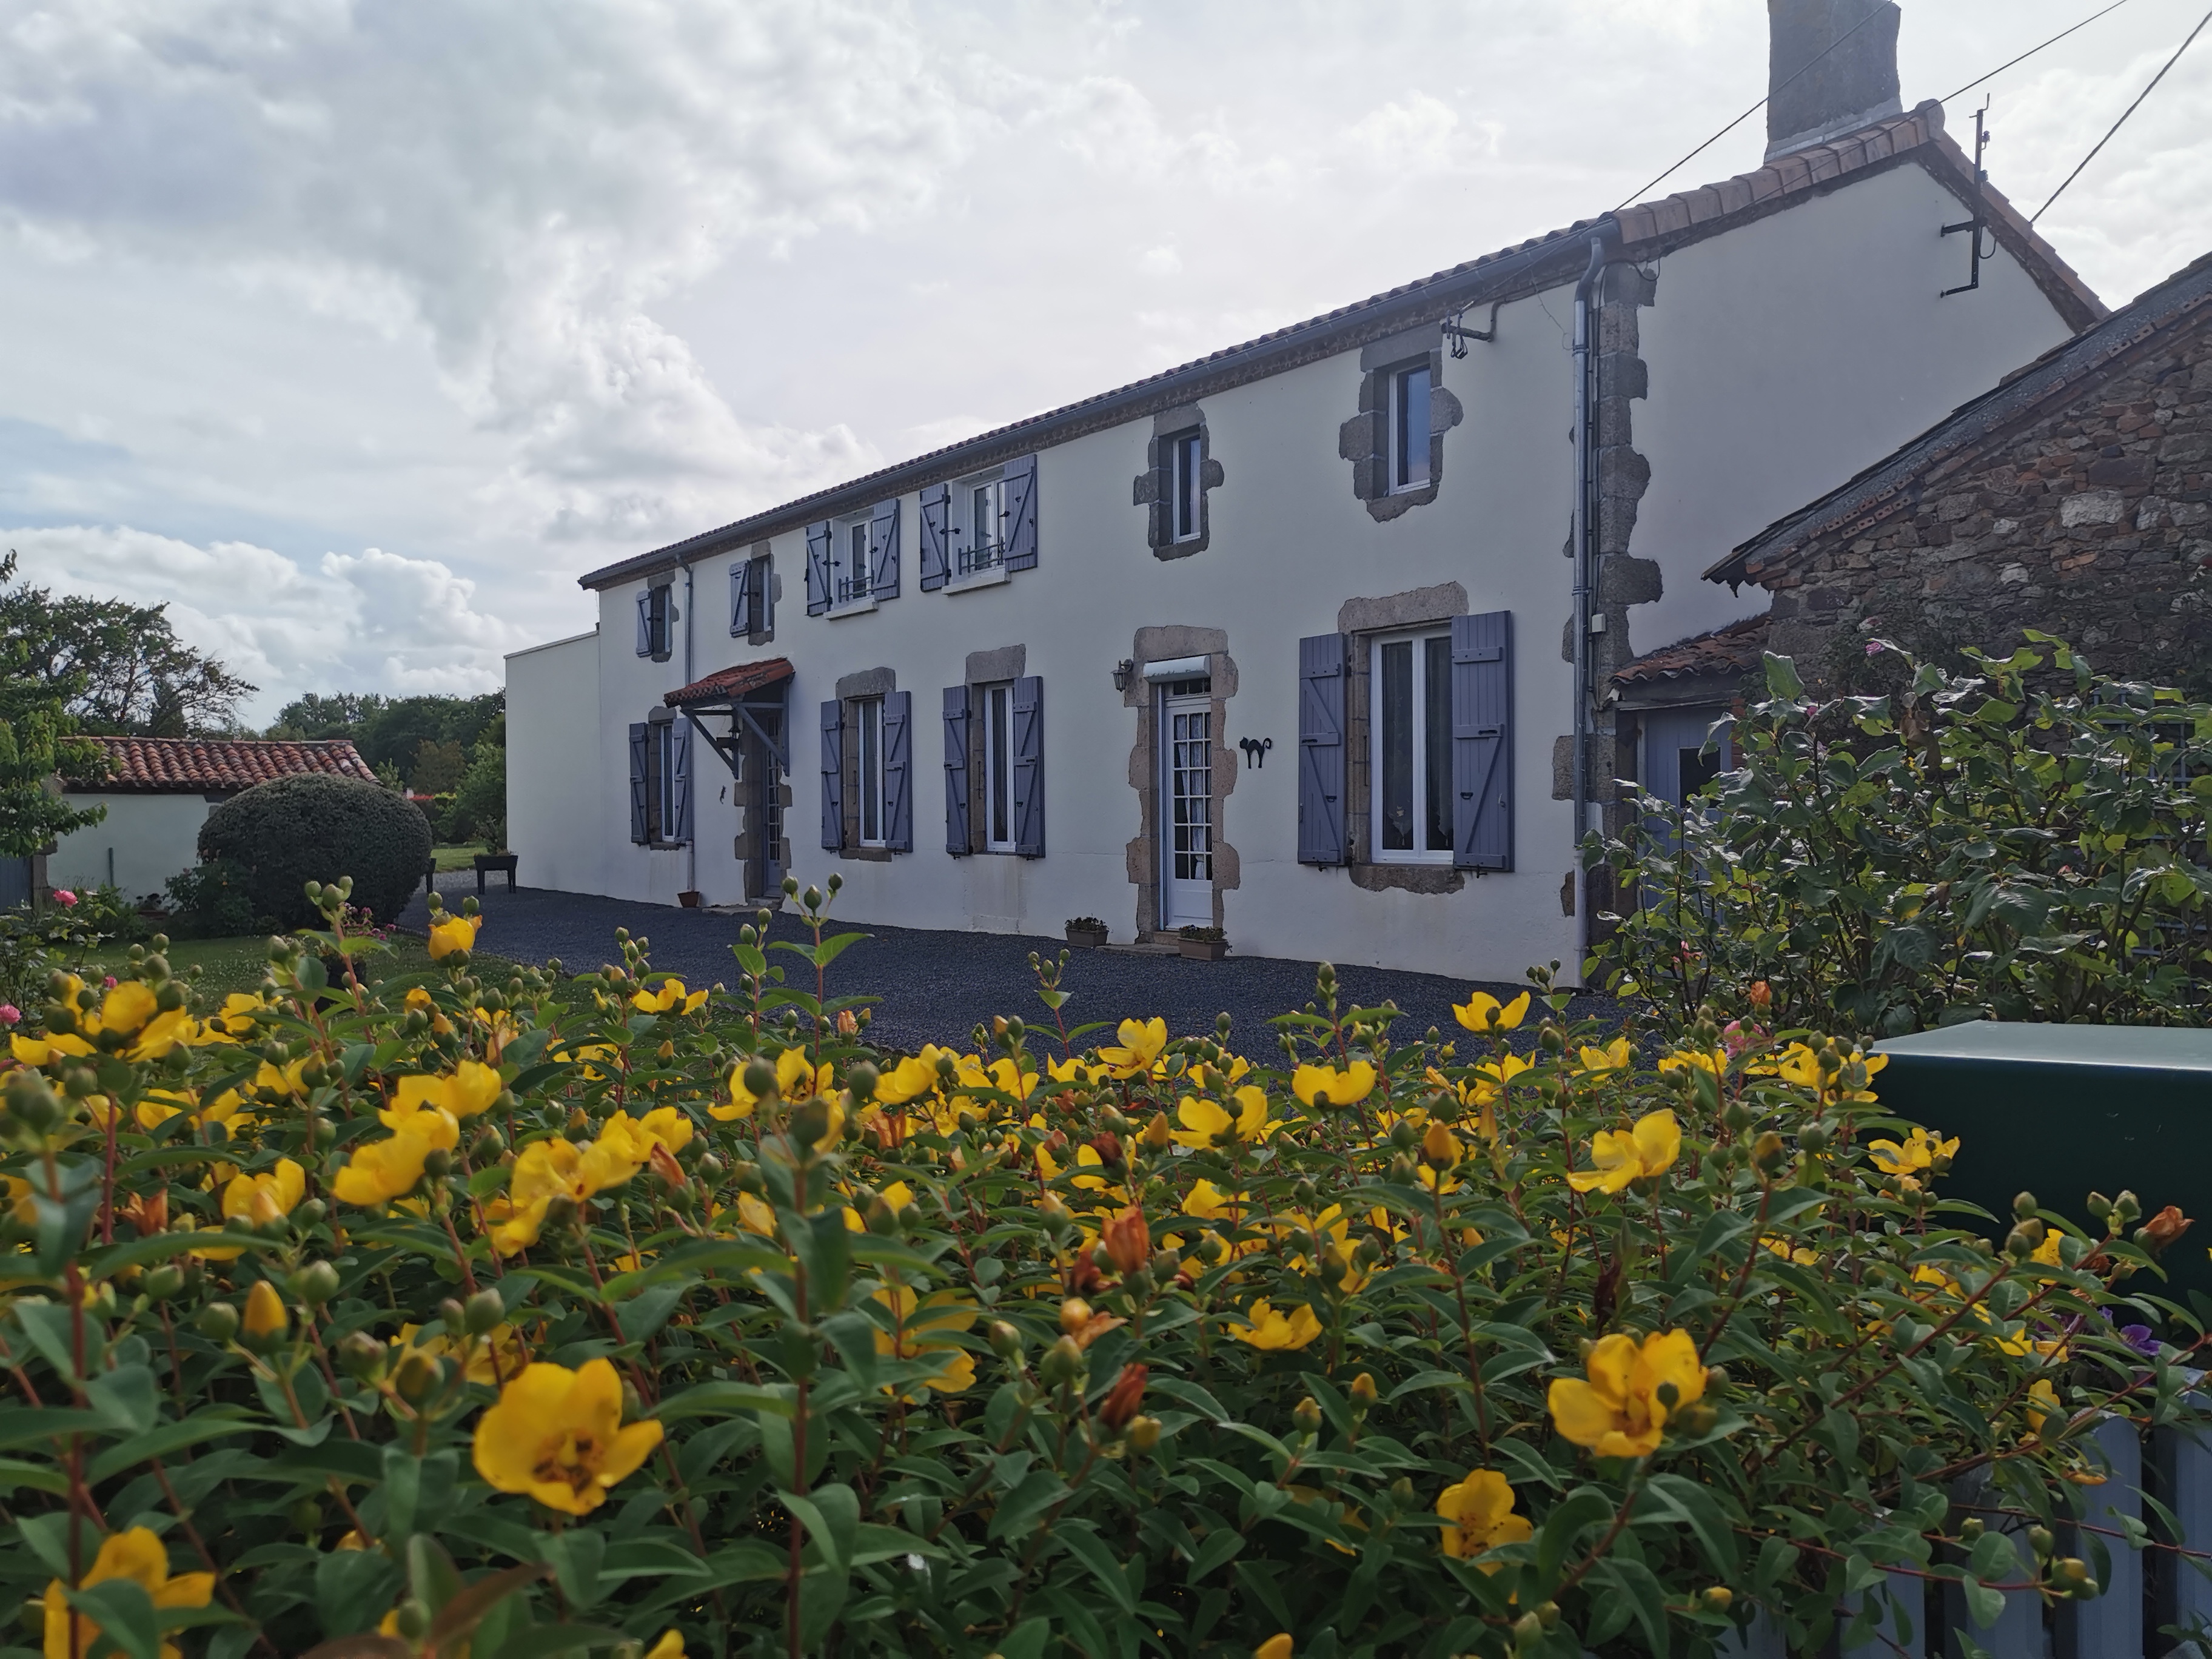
{"x":554,"y":780}
{"x":143,"y":840}
{"x":1795,"y":352}
{"x":1783,"y":356}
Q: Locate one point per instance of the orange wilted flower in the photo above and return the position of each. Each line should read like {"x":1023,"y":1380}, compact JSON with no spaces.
{"x":148,"y":1215}
{"x":663,"y":1163}
{"x":2162,"y":1228}
{"x":1129,"y":1240}
{"x":1128,"y":1393}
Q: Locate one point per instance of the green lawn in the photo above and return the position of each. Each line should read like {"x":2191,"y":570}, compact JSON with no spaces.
{"x":237,"y":964}
{"x":451,"y":857}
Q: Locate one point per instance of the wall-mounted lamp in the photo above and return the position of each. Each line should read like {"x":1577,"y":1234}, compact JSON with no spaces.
{"x":1124,"y":672}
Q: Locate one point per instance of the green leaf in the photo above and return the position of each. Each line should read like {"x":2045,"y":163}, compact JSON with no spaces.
{"x":1708,"y":1521}
{"x":1984,"y":1605}
{"x":575,"y":1556}
{"x":1584,"y":1508}
{"x":125,"y":1612}
{"x":823,"y":1247}
{"x":51,"y":1330}
{"x":353,"y":1588}
{"x":1027,"y":1640}
{"x":1781,"y":681}
{"x":1086,"y":1546}
{"x":723,"y":1399}
{"x":643,"y":1315}
{"x":1039,"y":1490}
{"x":128,"y":1397}
{"x":831,"y":1516}
{"x":208,"y":1423}
{"x":1220,"y":1545}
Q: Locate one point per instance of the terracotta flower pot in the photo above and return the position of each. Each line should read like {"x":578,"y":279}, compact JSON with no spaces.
{"x":689,"y":900}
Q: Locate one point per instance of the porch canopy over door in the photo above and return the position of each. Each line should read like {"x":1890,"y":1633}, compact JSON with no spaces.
{"x":748,"y":700}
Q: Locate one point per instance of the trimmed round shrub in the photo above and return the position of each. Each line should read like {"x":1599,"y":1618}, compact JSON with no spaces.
{"x":315,"y":827}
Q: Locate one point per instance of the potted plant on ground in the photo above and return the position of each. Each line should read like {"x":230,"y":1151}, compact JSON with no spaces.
{"x":1203,"y":944}
{"x":1087,"y":930}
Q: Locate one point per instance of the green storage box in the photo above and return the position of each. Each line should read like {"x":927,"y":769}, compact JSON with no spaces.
{"x":2062,"y":1111}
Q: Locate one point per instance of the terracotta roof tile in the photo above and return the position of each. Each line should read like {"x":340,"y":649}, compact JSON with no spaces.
{"x":732,"y":681}
{"x":209,"y":765}
{"x":1735,"y":649}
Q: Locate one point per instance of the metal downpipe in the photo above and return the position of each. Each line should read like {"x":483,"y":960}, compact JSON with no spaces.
{"x":1584,"y":561}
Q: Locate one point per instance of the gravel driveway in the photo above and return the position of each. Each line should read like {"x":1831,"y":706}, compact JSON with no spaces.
{"x":934,"y":986}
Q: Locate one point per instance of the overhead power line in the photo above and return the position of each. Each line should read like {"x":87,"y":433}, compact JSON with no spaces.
{"x":1637,"y":194}
{"x":2124,"y":113}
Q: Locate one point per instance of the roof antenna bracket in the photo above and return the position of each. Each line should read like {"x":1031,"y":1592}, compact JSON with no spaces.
{"x":1455,"y":329}
{"x":1975,"y":225}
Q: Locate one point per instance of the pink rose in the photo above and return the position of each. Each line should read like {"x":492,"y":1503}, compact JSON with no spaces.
{"x":107,"y":984}
{"x":10,"y":1014}
{"x":65,"y":898}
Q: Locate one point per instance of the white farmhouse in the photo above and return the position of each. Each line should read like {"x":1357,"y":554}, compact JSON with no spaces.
{"x":1306,"y":639}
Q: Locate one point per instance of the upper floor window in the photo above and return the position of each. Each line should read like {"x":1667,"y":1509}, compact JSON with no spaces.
{"x":979,"y":533}
{"x":850,"y":562}
{"x":868,"y":758}
{"x":1409,"y":428}
{"x":655,"y":611}
{"x":752,"y":595}
{"x":1410,"y":736}
{"x":1186,"y":463}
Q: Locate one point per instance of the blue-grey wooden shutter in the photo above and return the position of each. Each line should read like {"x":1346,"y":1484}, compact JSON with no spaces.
{"x":645,"y":624}
{"x":1021,"y":509}
{"x":742,"y":604}
{"x":956,"y":770}
{"x":1321,"y":659}
{"x":883,"y":551}
{"x":936,"y":536}
{"x":1026,"y":706}
{"x":818,"y":568}
{"x":1482,"y":741}
{"x":637,"y":819}
{"x":833,"y":775}
{"x":898,"y":771}
{"x":679,"y":782}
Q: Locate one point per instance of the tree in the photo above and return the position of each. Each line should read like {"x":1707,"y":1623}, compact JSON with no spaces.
{"x":115,"y":667}
{"x":37,"y":741}
{"x":337,"y":714}
{"x":438,"y":766}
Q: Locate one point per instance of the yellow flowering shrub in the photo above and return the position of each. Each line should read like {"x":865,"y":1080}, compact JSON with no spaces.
{"x":529,"y":1314}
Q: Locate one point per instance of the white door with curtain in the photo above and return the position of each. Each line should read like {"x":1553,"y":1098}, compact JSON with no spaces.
{"x":1186,"y":805}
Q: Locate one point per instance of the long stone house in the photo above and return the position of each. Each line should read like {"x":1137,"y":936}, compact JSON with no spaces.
{"x":1307,"y":639}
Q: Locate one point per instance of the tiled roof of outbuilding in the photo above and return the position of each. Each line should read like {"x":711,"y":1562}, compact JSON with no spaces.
{"x":1735,"y":649}
{"x":734,"y":682}
{"x":1641,"y":232}
{"x":213,"y":765}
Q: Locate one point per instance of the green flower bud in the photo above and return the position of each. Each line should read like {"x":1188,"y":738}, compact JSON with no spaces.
{"x":217,"y":1321}
{"x":361,"y":1356}
{"x":2024,"y":1206}
{"x":315,"y":1283}
{"x":483,"y":1311}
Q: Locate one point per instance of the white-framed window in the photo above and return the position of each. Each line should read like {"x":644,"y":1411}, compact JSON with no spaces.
{"x":1410,"y":741}
{"x":849,"y":562}
{"x":661,"y":813}
{"x":868,"y":759}
{"x":998,"y":712}
{"x":979,"y":525}
{"x":1409,"y":387}
{"x":1188,"y":499}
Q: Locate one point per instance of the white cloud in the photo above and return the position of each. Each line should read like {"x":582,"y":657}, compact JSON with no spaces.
{"x":523,"y":185}
{"x":369,"y":620}
{"x":1162,"y":261}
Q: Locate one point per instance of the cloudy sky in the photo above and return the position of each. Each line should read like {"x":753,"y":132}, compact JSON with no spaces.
{"x":356,"y":330}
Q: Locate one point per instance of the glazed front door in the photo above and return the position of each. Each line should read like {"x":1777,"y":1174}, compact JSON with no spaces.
{"x":1187,"y":810}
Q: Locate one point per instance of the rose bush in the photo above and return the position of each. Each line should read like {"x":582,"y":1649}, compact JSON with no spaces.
{"x":609,"y":1313}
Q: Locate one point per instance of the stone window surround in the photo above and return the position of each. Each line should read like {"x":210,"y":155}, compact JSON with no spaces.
{"x":1154,"y":490}
{"x":1364,"y":619}
{"x":1001,"y":666}
{"x":1365,"y":440}
{"x":867,"y":682}
{"x":1141,"y":855}
{"x":774,"y":595}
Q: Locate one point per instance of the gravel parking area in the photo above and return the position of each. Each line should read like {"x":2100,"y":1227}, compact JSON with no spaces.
{"x":934,"y":986}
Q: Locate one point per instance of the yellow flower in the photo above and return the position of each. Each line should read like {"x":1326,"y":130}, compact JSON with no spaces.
{"x":557,"y":1435}
{"x":913,"y":1077}
{"x":1789,"y":1252}
{"x":546,"y":1169}
{"x":1206,"y":1201}
{"x":2042,"y":1402}
{"x":1618,"y":1412}
{"x":1206,"y":1124}
{"x":140,"y":1556}
{"x":1480,"y":1511}
{"x":1799,"y":1065}
{"x":1645,"y":1150}
{"x":1713,"y":1061}
{"x":1267,"y":1329}
{"x":453,"y":933}
{"x":670,"y":1646}
{"x":494,"y":1359}
{"x":754,"y":1216}
{"x":385,"y":1170}
{"x":795,"y":1080}
{"x":1918,"y":1154}
{"x":1073,"y":1069}
{"x":671,"y":995}
{"x":1611,"y":1057}
{"x":258,"y":1198}
{"x":40,"y":1051}
{"x":1324,"y":1085}
{"x":1483,"y":1012}
{"x":1277,"y":1646}
{"x":471,"y":1088}
{"x":923,"y":1327}
{"x":633,"y":1139}
{"x":1142,"y":1042}
{"x":265,"y":1318}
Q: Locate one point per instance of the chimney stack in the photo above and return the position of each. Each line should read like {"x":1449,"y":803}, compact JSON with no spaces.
{"x":1854,"y":86}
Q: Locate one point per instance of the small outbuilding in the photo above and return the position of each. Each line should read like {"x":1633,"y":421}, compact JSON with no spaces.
{"x":159,"y":791}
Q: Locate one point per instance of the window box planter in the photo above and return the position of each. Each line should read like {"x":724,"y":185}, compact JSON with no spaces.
{"x":1086,"y":931}
{"x":1202,"y":943}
